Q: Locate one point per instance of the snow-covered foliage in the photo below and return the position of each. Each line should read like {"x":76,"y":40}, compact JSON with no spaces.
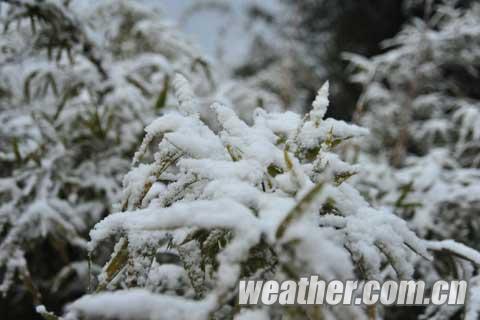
{"x":420,"y":87}
{"x":78,"y":83}
{"x":421,"y":102}
{"x":206,"y":205}
{"x":132,"y":169}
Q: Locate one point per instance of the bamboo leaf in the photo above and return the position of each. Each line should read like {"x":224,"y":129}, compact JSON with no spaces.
{"x":16,"y":150}
{"x":162,"y":98}
{"x":27,"y":84}
{"x":299,"y":210}
{"x":115,"y":265}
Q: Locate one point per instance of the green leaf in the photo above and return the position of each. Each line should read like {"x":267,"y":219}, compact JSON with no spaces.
{"x":115,"y":265}
{"x":273,"y":170}
{"x":299,"y":210}
{"x":162,"y":97}
{"x":16,"y":150}
{"x":27,"y":84}
{"x":234,"y":153}
{"x":342,"y":176}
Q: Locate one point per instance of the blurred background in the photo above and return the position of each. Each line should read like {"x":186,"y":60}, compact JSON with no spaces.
{"x":309,"y":37}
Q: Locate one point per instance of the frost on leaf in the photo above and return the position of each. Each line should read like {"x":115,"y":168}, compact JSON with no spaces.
{"x":320,"y":104}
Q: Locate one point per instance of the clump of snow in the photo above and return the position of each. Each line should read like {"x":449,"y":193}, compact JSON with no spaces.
{"x":137,"y":304}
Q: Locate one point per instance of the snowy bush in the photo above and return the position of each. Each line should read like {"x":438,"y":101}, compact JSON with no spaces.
{"x":422,"y":104}
{"x":206,"y":205}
